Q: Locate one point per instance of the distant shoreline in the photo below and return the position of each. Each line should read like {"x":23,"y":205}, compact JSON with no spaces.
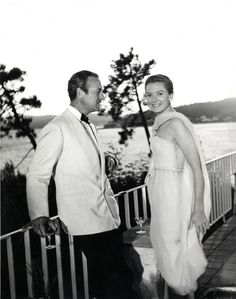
{"x":199,"y":113}
{"x":139,"y":126}
{"x":217,"y":139}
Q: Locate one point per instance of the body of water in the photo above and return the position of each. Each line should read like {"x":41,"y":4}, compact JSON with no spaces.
{"x":217,"y":139}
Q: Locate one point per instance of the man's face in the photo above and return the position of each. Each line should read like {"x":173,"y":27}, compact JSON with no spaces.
{"x":92,"y":99}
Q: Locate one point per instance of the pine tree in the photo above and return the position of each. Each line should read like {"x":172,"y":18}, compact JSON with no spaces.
{"x":122,"y":89}
{"x":12,"y":117}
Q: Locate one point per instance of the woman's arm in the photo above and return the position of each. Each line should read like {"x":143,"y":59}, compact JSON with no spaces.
{"x":184,"y":139}
{"x":111,"y":162}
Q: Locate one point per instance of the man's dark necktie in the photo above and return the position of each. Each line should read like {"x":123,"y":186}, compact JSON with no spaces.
{"x":84,"y":118}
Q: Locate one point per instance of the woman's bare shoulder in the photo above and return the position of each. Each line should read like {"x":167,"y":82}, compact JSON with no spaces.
{"x":177,"y":123}
{"x":180,"y":129}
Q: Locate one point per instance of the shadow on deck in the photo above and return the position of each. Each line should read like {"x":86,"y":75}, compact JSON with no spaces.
{"x":219,"y":280}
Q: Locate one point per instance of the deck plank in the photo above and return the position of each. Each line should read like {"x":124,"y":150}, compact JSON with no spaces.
{"x":220,"y":249}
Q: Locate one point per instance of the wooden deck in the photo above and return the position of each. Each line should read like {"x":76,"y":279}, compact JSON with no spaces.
{"x":220,"y":249}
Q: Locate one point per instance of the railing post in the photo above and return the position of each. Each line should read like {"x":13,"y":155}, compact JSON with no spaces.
{"x":144,"y":199}
{"x":28,"y":263}
{"x":59,"y":266}
{"x":234,"y":193}
{"x":85,"y":276}
{"x":44,"y":264}
{"x":127,"y":211}
{"x":136,"y":204}
{"x":11,"y":270}
{"x":224,"y":192}
{"x":72,"y":267}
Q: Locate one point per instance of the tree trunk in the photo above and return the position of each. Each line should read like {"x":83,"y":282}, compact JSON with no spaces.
{"x":144,"y":121}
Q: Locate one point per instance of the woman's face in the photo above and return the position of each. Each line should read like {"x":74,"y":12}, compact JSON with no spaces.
{"x":157,"y":97}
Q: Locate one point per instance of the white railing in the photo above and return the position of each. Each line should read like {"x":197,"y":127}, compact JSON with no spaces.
{"x":27,"y":271}
{"x":222,"y":172}
{"x":135,"y":203}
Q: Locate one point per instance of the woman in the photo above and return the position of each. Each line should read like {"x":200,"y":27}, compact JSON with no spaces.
{"x":179,"y":192}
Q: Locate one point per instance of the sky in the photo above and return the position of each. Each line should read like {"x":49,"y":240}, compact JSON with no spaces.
{"x":192,"y":41}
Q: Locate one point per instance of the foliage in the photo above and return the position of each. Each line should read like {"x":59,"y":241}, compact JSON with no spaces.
{"x":123,"y":89}
{"x":14,"y":212}
{"x":127,"y":175}
{"x":12,"y":107}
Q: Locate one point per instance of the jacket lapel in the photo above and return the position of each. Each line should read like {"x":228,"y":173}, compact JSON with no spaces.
{"x":101,"y":153}
{"x":82,"y":134}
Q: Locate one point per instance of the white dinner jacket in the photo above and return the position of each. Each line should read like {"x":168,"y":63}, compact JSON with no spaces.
{"x":85,"y":201}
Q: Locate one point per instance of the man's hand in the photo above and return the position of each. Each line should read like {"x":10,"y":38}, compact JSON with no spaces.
{"x":42,"y":225}
{"x":200,"y":221}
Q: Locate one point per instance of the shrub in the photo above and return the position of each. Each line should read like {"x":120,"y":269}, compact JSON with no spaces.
{"x":14,"y":212}
{"x":127,"y":175}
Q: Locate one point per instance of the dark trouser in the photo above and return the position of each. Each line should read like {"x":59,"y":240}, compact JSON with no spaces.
{"x":109,"y":276}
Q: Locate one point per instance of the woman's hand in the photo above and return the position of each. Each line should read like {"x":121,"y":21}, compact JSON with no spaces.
{"x":200,"y":221}
{"x":111,"y":163}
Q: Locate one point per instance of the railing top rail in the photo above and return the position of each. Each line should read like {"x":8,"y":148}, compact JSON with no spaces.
{"x":28,"y":226}
{"x":221,"y":157}
{"x":21,"y":230}
{"x":130,"y":190}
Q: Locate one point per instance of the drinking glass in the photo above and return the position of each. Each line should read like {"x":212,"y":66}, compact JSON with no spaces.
{"x":140,"y":221}
{"x":49,"y":244}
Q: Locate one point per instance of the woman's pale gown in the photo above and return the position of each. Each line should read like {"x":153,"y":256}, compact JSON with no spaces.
{"x":179,"y":254}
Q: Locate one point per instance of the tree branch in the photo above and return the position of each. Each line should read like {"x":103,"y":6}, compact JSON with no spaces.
{"x":10,"y":99}
{"x":17,"y":165}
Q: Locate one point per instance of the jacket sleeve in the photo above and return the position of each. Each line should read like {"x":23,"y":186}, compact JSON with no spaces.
{"x":46,"y":156}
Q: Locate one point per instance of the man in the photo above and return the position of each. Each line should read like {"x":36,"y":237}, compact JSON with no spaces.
{"x":70,"y":150}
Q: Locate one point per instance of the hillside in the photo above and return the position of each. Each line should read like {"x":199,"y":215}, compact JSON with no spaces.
{"x":40,"y":121}
{"x":221,"y":111}
{"x":99,"y":120}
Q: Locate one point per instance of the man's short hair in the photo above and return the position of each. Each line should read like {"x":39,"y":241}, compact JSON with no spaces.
{"x":79,"y":80}
{"x":162,"y":79}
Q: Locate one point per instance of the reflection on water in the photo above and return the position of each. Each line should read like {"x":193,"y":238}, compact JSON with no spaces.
{"x":217,"y":139}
